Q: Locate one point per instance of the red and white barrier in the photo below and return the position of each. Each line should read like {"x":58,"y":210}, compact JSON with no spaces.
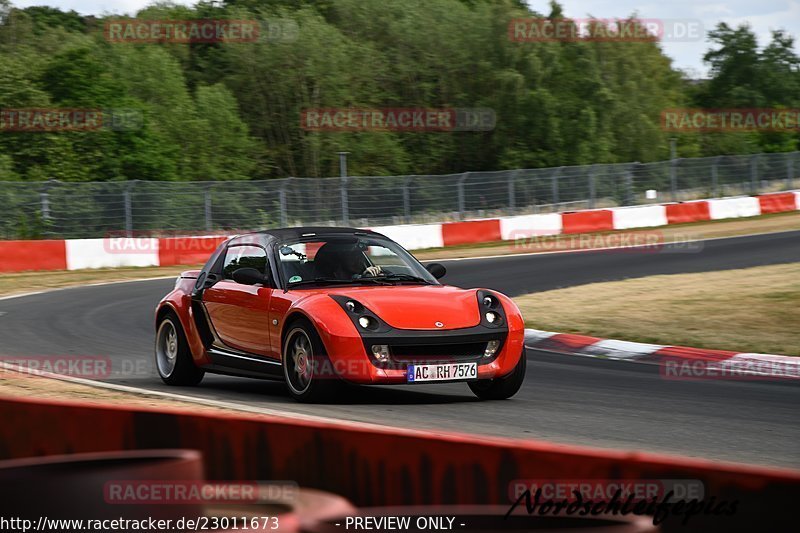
{"x":18,"y":256}
{"x":385,"y":466}
{"x":415,"y":236}
{"x":686,"y":212}
{"x":111,"y":253}
{"x":745,"y":206}
{"x":530,"y":226}
{"x":648,"y":216}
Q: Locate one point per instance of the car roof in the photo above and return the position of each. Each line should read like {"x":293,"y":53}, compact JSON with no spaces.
{"x":281,"y":234}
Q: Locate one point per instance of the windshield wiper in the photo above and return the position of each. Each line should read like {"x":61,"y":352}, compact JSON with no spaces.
{"x":336,"y":281}
{"x":374,"y":279}
{"x":403,"y":277}
{"x":325,"y":281}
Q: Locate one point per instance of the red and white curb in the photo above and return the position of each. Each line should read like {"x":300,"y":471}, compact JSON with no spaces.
{"x":677,"y":362}
{"x":115,"y":252}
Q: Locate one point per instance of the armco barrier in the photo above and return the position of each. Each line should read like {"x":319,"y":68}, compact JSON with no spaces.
{"x":384,"y":466}
{"x":18,"y":256}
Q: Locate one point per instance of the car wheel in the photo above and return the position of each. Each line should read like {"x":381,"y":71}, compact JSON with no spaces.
{"x":501,"y":388}
{"x":309,"y":375}
{"x":173,"y":358}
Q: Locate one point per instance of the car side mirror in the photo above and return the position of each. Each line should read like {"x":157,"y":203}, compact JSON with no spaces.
{"x":437,"y":270}
{"x":250,"y":276}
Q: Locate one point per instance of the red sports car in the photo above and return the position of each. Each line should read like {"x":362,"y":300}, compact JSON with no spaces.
{"x":317,"y":307}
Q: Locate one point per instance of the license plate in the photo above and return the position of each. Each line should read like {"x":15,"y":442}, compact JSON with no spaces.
{"x":442,"y":372}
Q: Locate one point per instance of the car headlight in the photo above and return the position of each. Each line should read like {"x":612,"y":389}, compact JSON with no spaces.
{"x":491,"y":348}
{"x":491,"y":309}
{"x":365,"y":322}
{"x":350,"y":305}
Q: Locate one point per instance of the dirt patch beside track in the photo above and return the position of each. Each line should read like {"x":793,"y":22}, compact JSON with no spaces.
{"x":25,"y":385}
{"x":747,"y":310}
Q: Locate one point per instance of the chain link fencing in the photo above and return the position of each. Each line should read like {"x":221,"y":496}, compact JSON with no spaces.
{"x":53,"y":209}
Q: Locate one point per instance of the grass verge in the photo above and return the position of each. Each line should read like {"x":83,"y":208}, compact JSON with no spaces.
{"x":747,"y":310}
{"x":41,"y":281}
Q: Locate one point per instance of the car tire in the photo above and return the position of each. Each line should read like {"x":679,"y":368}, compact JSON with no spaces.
{"x":501,"y":388}
{"x":174,"y":361}
{"x":307,"y":370}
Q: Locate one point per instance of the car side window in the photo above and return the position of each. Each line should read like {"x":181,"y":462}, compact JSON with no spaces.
{"x":244,"y":256}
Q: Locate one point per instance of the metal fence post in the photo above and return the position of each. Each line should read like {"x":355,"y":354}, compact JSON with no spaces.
{"x":207,"y":206}
{"x":282,"y":201}
{"x":789,"y":171}
{"x":554,"y":185}
{"x":629,"y":198}
{"x":343,"y":187}
{"x":512,"y":178}
{"x":673,"y":179}
{"x":44,"y":199}
{"x":407,"y":199}
{"x":345,"y":204}
{"x":715,"y":177}
{"x":461,"y":199}
{"x":592,"y":187}
{"x":754,"y":174}
{"x":44,"y":203}
{"x":129,"y":208}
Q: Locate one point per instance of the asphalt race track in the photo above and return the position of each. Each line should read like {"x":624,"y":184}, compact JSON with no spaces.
{"x":570,"y":400}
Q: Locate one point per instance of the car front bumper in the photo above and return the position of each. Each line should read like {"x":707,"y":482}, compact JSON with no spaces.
{"x":350,"y":357}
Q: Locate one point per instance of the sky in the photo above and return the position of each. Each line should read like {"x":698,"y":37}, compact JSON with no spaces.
{"x":762,"y":15}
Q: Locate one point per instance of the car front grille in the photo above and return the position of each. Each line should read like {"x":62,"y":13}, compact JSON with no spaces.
{"x":409,"y":353}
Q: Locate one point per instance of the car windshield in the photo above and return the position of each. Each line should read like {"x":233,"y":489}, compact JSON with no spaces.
{"x":353,"y":260}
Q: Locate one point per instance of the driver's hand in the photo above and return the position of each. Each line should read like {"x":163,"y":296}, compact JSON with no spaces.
{"x":372,"y":271}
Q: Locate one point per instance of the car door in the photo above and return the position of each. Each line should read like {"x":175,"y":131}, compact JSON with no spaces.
{"x":240,"y":313}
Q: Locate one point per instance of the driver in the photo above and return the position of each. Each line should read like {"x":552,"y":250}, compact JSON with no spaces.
{"x":355,"y":264}
{"x":344,"y":262}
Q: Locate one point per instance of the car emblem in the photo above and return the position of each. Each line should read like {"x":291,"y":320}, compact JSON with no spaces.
{"x":439,"y":325}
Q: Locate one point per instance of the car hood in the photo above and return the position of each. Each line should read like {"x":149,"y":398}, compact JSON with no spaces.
{"x":419,"y":307}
